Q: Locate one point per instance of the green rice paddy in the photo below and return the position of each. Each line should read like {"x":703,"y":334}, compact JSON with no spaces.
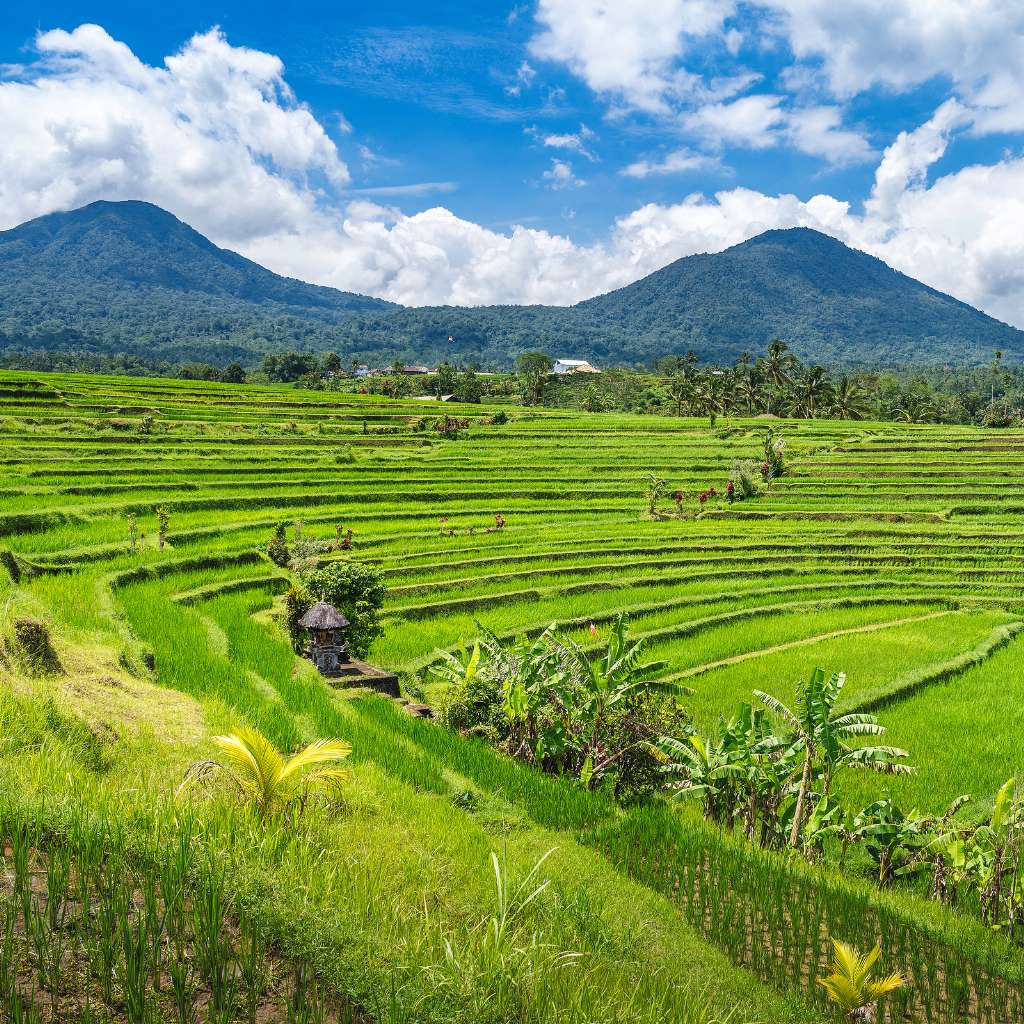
{"x":892,"y":552}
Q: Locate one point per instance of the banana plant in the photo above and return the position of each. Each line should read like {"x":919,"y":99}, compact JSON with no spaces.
{"x":702,"y":767}
{"x":459,"y":669}
{"x":602,"y":687}
{"x":828,"y":820}
{"x":768,"y":770}
{"x":896,"y":841}
{"x":997,"y":848}
{"x":952,"y":865}
{"x":821,"y":734}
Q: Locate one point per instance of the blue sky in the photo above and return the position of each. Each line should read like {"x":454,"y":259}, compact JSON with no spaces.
{"x":539,"y":151}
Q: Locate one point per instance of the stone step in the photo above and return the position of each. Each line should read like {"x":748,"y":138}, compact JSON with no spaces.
{"x":361,"y":673}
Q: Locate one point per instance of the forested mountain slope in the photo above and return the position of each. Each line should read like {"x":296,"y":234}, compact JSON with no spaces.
{"x":131,"y":278}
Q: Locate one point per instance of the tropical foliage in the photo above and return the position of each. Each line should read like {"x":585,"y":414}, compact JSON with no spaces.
{"x":851,"y":985}
{"x":552,"y":703}
{"x":270,"y":782}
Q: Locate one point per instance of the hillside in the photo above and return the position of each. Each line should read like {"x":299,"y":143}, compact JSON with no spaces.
{"x":129,"y":278}
{"x":885,"y":550}
{"x":833,"y":304}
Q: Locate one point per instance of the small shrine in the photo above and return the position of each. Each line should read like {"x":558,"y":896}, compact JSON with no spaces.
{"x":327,"y":650}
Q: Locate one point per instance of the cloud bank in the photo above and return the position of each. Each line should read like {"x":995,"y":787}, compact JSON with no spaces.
{"x":215,"y":135}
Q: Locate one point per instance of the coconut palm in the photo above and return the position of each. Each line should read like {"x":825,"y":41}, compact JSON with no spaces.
{"x":851,"y":985}
{"x":849,"y":400}
{"x":680,"y":392}
{"x":269,"y":781}
{"x":777,"y":362}
{"x":748,"y":392}
{"x":813,"y":392}
{"x":913,"y":407}
{"x":706,"y":396}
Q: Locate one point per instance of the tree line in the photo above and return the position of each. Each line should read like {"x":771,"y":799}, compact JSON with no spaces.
{"x":774,"y":383}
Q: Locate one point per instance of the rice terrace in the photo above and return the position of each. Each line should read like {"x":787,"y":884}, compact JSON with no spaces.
{"x":442,"y":874}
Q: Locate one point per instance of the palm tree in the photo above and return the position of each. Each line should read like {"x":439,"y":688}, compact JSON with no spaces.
{"x":849,"y":400}
{"x":913,"y":407}
{"x":850,"y":985}
{"x":680,"y":391}
{"x":267,"y":780}
{"x":705,"y":396}
{"x":813,"y":392}
{"x":748,"y":392}
{"x":777,"y":363}
{"x":996,"y":361}
{"x":821,"y":735}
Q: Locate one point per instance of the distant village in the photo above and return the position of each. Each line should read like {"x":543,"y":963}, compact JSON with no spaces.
{"x":560,"y":367}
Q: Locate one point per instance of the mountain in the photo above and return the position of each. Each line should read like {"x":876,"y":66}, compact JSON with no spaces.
{"x":130,"y":278}
{"x":831,"y":303}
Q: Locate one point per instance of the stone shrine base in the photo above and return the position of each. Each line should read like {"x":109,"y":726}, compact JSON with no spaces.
{"x":359,"y":673}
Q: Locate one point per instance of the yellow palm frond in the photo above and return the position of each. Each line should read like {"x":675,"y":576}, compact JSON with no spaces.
{"x":865,"y":963}
{"x":330,"y":776}
{"x":850,"y":985}
{"x":317,"y":752}
{"x":268,"y":780}
{"x":845,"y":960}
{"x":886,"y":985}
{"x":841,"y":991}
{"x":252,"y":759}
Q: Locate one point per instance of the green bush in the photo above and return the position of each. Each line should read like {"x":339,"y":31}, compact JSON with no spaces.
{"x":277,"y":549}
{"x":745,"y":476}
{"x":357,"y":592}
{"x":10,"y":563}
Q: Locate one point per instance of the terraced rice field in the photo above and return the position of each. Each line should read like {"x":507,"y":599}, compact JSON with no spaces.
{"x":886,"y":552}
{"x":891,"y":552}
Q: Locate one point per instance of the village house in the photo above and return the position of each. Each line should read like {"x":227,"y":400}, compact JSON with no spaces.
{"x":563,"y":366}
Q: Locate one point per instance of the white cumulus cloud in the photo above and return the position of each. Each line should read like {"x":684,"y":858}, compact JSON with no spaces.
{"x":626,"y":51}
{"x":561,"y":175}
{"x":215,"y":136}
{"x":678,"y":161}
{"x":578,"y":142}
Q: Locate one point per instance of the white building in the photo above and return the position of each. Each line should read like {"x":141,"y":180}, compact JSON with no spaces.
{"x":573,"y":366}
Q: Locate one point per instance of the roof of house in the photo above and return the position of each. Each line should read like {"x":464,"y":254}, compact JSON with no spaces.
{"x":574,"y":365}
{"x":323,"y":616}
